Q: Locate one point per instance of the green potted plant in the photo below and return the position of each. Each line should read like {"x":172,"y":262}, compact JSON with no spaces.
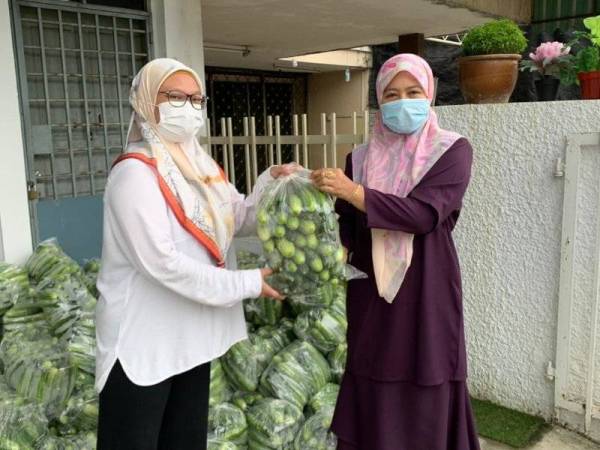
{"x":584,"y":67}
{"x":489,"y":69}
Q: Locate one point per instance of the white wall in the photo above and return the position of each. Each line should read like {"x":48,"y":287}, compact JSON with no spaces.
{"x":329,"y":93}
{"x":15,"y":230}
{"x":509,"y":241}
{"x":177,"y":32}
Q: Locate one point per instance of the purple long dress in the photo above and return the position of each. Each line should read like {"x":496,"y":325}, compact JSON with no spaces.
{"x":405,"y":381}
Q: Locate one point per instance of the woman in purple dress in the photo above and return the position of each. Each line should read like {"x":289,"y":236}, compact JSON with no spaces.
{"x":398,"y":201}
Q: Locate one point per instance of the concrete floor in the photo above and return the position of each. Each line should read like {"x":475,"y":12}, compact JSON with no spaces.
{"x":556,"y":439}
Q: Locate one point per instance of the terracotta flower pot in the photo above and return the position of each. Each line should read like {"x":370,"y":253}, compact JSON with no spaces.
{"x":590,"y":85}
{"x":488,"y":78}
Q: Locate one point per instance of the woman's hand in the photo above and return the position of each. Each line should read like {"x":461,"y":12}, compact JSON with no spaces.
{"x":334,"y":182}
{"x":267,"y":290}
{"x":285,"y":169}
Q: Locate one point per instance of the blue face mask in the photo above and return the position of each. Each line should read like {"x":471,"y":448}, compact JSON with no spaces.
{"x":405,"y":116}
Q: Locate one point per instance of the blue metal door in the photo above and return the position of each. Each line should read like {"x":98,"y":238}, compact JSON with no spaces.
{"x":75,"y":62}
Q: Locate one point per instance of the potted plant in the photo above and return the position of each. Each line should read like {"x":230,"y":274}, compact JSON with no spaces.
{"x":584,"y":67}
{"x":489,"y":69}
{"x":548,"y":60}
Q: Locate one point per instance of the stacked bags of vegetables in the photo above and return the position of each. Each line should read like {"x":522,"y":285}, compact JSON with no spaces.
{"x":47,"y":353}
{"x":286,"y":376}
{"x":275,"y":390}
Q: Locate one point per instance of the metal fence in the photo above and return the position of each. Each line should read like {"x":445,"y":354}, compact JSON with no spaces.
{"x":307,"y":149}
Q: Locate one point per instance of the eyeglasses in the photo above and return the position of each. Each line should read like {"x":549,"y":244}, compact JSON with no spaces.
{"x":178,"y":99}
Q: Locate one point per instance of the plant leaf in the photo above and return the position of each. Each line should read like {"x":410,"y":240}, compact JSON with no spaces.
{"x":593,"y":24}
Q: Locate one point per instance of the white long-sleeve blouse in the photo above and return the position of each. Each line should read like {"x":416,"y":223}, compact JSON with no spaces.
{"x":164,"y":306}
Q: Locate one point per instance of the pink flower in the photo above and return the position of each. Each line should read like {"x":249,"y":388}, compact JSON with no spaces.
{"x":547,"y":52}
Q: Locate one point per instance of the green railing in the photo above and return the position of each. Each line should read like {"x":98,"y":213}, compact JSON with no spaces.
{"x":549,"y":15}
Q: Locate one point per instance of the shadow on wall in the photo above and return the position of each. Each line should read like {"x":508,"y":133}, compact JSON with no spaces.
{"x":444,"y":62}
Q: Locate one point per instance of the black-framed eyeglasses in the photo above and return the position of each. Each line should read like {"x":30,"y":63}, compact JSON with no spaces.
{"x":178,"y":99}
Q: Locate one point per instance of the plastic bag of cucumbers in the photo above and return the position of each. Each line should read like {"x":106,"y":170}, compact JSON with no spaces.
{"x":38,"y":369}
{"x":244,"y":400}
{"x":315,"y":434}
{"x":337,"y":361}
{"x":220,"y":444}
{"x":81,"y":343}
{"x":263,"y":311}
{"x":14,"y":284}
{"x":81,"y":441}
{"x":299,"y":230}
{"x":324,"y":297}
{"x":26,"y":313}
{"x":326,"y":398}
{"x":80,"y":414}
{"x":245,"y":361}
{"x":65,"y":302}
{"x":22,"y":423}
{"x":90,"y":273}
{"x":50,"y":261}
{"x":296,"y":374}
{"x":273,"y":424}
{"x":325,"y":328}
{"x":220,"y":391}
{"x":228,"y":422}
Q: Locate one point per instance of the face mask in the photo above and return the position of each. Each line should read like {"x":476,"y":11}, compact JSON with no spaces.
{"x":405,"y":116}
{"x":179,"y":124}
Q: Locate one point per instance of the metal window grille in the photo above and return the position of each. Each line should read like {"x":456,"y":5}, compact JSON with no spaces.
{"x":76,"y":63}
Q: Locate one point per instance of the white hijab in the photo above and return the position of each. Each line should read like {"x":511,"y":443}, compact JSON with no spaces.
{"x":194,"y":187}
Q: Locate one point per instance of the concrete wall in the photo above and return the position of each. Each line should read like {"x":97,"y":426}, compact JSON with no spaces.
{"x":177,"y":33}
{"x":15,"y":230}
{"x":509,"y":241}
{"x":329,"y":93}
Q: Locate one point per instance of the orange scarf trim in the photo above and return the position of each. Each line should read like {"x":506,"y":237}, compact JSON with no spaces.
{"x":204,"y":240}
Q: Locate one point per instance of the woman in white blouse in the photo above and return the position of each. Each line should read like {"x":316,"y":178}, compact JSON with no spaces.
{"x":168,"y":305}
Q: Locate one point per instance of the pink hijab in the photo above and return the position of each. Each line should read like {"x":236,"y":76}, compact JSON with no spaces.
{"x":394,"y":164}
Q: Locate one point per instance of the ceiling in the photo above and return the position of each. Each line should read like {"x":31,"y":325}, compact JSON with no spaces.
{"x":273,"y":29}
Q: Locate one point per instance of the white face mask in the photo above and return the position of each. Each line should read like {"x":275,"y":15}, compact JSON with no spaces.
{"x":179,"y":124}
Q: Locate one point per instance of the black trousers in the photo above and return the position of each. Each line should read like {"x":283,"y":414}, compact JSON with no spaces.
{"x":171,"y":415}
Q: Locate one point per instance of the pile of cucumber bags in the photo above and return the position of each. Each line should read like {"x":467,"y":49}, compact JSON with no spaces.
{"x":278,"y":389}
{"x":47,"y":353}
